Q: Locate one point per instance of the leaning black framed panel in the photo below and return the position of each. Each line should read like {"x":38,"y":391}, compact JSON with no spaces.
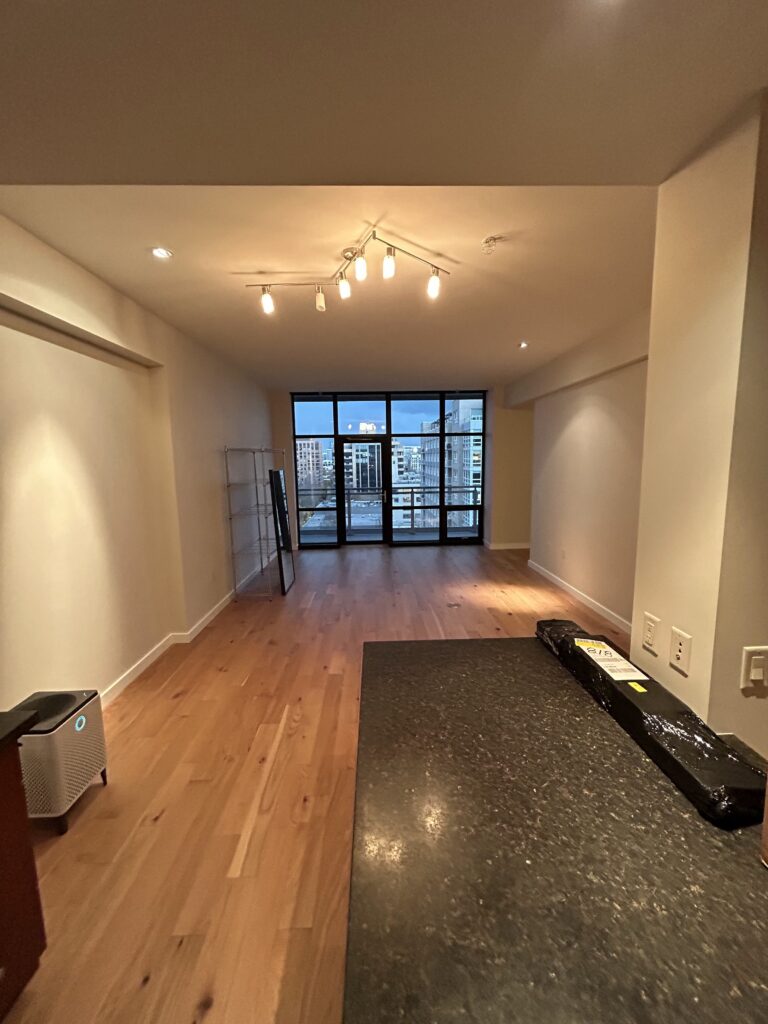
{"x":284,"y":543}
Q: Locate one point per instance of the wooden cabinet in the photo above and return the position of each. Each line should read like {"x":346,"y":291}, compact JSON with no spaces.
{"x":22,"y":934}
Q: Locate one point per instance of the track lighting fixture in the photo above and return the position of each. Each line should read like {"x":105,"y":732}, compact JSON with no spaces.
{"x":361,"y":266}
{"x":433,"y":284}
{"x":388,"y":266}
{"x":353,"y":257}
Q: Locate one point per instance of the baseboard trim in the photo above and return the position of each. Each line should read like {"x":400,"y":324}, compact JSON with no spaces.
{"x":521,"y":545}
{"x":116,"y":687}
{"x":202,"y":622}
{"x":606,"y":613}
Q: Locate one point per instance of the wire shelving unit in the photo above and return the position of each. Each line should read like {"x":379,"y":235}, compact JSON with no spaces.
{"x":253,"y":542}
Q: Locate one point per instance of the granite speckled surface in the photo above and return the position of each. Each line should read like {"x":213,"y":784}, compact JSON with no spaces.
{"x":517,"y":858}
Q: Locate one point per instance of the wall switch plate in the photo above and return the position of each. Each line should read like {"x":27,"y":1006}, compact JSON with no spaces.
{"x":680,"y":651}
{"x":754,"y":670}
{"x":650,"y":626}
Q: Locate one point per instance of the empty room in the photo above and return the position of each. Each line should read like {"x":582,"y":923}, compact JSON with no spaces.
{"x":383,"y":490}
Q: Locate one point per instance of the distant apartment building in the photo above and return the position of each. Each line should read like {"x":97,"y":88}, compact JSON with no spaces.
{"x":309,"y":464}
{"x":400,"y":461}
{"x":362,"y":466}
{"x":412,"y":459}
{"x":463,"y":457}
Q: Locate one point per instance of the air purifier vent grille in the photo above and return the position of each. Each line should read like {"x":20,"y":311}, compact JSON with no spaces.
{"x":59,"y":766}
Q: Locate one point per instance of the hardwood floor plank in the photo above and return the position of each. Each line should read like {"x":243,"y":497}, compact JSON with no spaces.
{"x":209,"y":881}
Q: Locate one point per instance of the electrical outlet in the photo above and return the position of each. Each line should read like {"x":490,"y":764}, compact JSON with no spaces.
{"x":680,"y":651}
{"x":650,"y":624}
{"x":754,"y":670}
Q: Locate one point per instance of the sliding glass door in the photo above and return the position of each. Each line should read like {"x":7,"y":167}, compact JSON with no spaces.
{"x":363,"y":490}
{"x":395,"y":468}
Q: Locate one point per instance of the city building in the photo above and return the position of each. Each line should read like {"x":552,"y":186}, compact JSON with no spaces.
{"x":309,"y":464}
{"x":362,"y":466}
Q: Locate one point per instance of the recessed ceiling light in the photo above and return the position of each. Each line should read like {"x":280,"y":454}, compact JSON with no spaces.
{"x":523,"y":344}
{"x":161,"y":253}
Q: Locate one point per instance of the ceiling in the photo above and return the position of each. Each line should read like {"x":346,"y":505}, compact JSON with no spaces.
{"x":365,"y":92}
{"x":574,"y":262}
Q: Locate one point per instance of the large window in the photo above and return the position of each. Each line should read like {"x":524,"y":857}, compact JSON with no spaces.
{"x":402,"y":468}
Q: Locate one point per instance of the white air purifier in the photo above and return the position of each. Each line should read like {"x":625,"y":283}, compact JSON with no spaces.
{"x":63,"y":753}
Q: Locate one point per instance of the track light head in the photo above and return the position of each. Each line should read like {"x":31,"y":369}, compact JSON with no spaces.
{"x":388,"y":266}
{"x":433,"y":284}
{"x":319,"y":299}
{"x":345,"y":288}
{"x":361,"y":266}
{"x":267,"y":302}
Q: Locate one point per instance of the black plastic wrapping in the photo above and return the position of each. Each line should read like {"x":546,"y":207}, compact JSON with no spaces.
{"x":722,"y":786}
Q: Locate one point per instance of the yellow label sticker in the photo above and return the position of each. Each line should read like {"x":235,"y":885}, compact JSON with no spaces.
{"x":638,"y":687}
{"x":610,"y":661}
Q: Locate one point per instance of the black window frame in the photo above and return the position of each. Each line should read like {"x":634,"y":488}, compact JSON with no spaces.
{"x":389,"y":535}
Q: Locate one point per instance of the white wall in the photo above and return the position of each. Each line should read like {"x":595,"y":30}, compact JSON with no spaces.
{"x":587,"y":455}
{"x":625,"y":344}
{"x":508,"y":468}
{"x":39,"y":282}
{"x":281,"y":419}
{"x":212,"y":403}
{"x":700,"y":272}
{"x":113,"y":533}
{"x":742,"y":614}
{"x":87,"y":585}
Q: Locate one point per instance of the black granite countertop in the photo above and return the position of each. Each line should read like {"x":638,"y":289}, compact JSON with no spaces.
{"x":14,"y":724}
{"x":517,"y":858}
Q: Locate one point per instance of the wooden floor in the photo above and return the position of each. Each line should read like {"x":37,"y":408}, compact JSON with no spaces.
{"x":209,"y":880}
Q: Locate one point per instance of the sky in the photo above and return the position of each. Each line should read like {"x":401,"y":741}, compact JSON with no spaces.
{"x":407,"y":415}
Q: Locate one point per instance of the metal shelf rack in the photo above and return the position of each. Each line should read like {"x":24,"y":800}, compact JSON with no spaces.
{"x":253,"y":543}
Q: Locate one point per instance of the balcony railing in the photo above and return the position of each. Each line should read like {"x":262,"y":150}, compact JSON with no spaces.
{"x":402,"y":495}
{"x":363,"y":503}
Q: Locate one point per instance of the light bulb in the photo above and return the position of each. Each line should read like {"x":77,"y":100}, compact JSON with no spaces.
{"x":388,"y":266}
{"x":345,"y":288}
{"x":161,"y":253}
{"x":319,"y":300}
{"x":267,"y":302}
{"x":433,"y":284}
{"x":523,"y":344}
{"x":361,"y":267}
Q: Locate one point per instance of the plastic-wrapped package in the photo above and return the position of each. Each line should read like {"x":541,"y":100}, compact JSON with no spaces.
{"x":722,"y":786}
